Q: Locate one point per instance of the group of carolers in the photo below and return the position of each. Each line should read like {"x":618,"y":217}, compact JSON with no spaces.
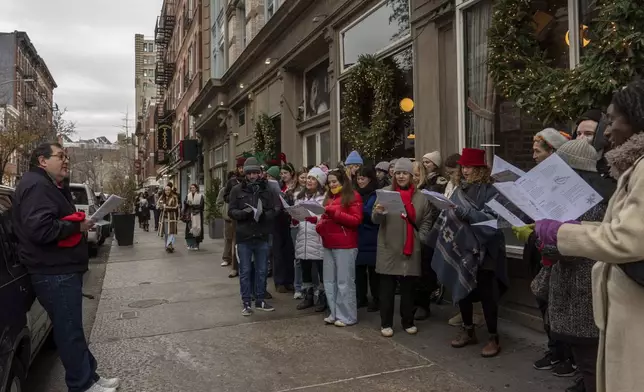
{"x":357,"y":247}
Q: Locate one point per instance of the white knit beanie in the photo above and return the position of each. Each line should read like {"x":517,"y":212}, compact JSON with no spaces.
{"x":318,"y":174}
{"x":579,"y":155}
{"x":434,"y":157}
{"x":552,"y":137}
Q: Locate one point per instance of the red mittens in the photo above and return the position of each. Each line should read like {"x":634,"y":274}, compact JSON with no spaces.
{"x":73,"y":239}
{"x":311,"y":219}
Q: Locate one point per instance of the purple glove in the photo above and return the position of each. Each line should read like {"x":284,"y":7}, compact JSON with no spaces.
{"x":573,"y":222}
{"x":546,"y":231}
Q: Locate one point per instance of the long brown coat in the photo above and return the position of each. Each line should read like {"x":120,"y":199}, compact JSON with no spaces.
{"x":169,"y":215}
{"x":392,"y":234}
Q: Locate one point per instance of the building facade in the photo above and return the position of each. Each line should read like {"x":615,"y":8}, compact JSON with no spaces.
{"x":144,"y":68}
{"x":26,"y":93}
{"x":290,"y":60}
{"x":94,"y":162}
{"x":179,"y":76}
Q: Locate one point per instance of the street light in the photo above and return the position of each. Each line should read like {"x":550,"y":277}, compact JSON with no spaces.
{"x":17,"y":80}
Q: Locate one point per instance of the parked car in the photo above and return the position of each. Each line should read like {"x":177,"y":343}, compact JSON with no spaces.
{"x":24,"y":325}
{"x":85,"y":200}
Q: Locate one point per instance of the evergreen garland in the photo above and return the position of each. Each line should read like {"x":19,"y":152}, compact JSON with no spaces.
{"x":369,"y":107}
{"x":613,"y":58}
{"x":265,"y":138}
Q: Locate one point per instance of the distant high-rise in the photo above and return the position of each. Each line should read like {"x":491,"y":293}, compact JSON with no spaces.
{"x":145,"y":63}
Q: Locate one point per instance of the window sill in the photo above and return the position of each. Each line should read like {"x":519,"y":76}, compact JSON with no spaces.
{"x":314,"y":122}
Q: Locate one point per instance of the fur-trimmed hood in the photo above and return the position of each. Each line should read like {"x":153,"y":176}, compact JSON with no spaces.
{"x":621,"y":158}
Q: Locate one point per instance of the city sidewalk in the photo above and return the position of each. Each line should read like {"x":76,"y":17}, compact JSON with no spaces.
{"x":172,"y":322}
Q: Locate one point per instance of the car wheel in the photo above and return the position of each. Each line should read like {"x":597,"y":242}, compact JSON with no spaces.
{"x":16,"y":377}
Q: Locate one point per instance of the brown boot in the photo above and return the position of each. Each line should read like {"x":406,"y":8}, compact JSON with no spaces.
{"x":465,"y":337}
{"x":492,"y":348}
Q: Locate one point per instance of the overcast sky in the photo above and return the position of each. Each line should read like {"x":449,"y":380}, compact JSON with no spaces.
{"x":89,"y":49}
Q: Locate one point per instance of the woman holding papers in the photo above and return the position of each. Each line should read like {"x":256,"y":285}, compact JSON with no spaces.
{"x":169,"y":204}
{"x":308,"y":245}
{"x":470,"y":258}
{"x":399,"y":248}
{"x":338,"y":228}
{"x":366,"y":277}
{"x":617,"y":278}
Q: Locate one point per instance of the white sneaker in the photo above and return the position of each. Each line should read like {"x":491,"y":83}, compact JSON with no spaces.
{"x":98,"y":388}
{"x":329,"y":320}
{"x":109,"y":382}
{"x":298,"y":295}
{"x":412,"y":330}
{"x":387,"y":332}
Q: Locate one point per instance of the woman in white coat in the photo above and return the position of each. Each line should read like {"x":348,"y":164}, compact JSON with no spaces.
{"x":308,"y":244}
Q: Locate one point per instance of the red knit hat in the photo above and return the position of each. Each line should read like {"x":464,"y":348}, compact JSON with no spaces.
{"x":472,"y":157}
{"x":240,"y":161}
{"x":73,"y":239}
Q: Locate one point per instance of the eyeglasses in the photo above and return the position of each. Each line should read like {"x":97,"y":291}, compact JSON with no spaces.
{"x":61,"y":155}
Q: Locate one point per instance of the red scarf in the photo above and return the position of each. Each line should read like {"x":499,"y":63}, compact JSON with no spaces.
{"x":406,"y":195}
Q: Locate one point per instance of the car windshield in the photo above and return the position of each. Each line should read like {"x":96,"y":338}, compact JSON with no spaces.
{"x":79,"y":195}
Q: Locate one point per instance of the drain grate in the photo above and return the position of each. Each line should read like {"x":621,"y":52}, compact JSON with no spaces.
{"x":128,"y":315}
{"x":147,"y":303}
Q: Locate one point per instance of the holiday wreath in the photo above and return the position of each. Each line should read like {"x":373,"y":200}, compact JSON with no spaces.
{"x":369,"y":107}
{"x":613,"y":58}
{"x":265,"y":137}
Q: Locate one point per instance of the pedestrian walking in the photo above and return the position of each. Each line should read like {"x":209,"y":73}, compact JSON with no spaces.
{"x":253,"y":207}
{"x":52,"y":246}
{"x":338,"y":228}
{"x":144,"y":211}
{"x":169,"y":204}
{"x":399,"y":248}
{"x":193,"y":207}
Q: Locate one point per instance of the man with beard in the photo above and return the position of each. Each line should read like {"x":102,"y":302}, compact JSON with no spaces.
{"x":253,"y":207}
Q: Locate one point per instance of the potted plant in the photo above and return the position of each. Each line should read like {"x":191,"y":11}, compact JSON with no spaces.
{"x":123,"y":219}
{"x":214,"y":214}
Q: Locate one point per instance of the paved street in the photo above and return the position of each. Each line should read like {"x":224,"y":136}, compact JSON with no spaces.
{"x":172,"y":322}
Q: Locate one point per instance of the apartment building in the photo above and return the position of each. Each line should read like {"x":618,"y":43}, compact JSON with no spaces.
{"x":26,"y":92}
{"x":180,"y":61}
{"x":146,"y":133}
{"x":144,"y":68}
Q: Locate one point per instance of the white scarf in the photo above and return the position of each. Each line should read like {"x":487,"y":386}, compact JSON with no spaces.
{"x":194,"y":199}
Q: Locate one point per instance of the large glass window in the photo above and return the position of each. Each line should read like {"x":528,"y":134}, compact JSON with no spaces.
{"x":317,"y":148}
{"x":384,"y":25}
{"x":316,"y":89}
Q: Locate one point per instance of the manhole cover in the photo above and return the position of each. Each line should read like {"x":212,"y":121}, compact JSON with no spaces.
{"x":147,"y":303}
{"x":128,"y":315}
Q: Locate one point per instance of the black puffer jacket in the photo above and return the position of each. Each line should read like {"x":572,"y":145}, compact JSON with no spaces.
{"x":247,"y":194}
{"x":38,"y":208}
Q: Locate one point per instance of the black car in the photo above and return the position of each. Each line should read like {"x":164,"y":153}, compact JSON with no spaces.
{"x":24,"y":323}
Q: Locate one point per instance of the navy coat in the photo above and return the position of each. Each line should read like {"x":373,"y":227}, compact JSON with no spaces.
{"x":367,"y":233}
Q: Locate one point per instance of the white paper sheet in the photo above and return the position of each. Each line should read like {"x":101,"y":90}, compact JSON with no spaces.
{"x":505,"y":213}
{"x":110,"y":205}
{"x":502,"y":171}
{"x":391,"y":201}
{"x":298,"y":212}
{"x":489,"y":223}
{"x":313,"y":206}
{"x":551,"y":190}
{"x":437,"y":199}
{"x":257,"y":212}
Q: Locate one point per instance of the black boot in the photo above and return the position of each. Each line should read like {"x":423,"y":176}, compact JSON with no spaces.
{"x":321,"y":305}
{"x":308,"y":301}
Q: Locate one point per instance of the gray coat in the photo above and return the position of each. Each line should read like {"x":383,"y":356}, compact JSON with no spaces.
{"x":392,"y":234}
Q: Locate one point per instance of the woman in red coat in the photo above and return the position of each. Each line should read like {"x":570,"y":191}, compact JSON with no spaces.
{"x":338,"y":229}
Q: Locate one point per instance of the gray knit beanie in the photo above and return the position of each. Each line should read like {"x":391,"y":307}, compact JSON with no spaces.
{"x":252,"y":165}
{"x":579,"y":155}
{"x":404,"y":165}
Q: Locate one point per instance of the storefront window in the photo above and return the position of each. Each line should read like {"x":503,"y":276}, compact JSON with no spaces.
{"x":385,"y":25}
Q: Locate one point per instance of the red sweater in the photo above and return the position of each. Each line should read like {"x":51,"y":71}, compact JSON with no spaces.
{"x":338,"y":226}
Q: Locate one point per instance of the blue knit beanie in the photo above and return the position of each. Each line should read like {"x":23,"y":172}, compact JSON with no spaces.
{"x":354,"y":159}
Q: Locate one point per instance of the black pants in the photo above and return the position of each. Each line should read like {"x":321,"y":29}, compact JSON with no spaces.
{"x":367,"y":278}
{"x":308,"y":266}
{"x":387,"y":300}
{"x":559,"y":350}
{"x":586,"y":360}
{"x":428,"y":281}
{"x":283,"y":254}
{"x":487,"y":292}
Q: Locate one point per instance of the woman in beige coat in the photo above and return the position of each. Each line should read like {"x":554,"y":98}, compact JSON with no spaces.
{"x":616,"y":242}
{"x":398,"y":255}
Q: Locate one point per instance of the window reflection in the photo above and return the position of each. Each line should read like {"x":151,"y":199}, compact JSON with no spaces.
{"x":551,"y":25}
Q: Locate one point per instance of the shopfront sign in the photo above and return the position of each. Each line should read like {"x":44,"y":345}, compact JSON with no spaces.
{"x":164,"y":143}
{"x":183,"y":154}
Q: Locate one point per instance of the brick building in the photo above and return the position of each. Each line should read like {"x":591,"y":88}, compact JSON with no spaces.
{"x":26,"y":93}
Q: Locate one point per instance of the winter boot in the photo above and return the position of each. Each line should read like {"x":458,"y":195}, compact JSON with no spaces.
{"x":308,"y":301}
{"x":492,"y":348}
{"x":321,"y":305}
{"x":466,"y":336}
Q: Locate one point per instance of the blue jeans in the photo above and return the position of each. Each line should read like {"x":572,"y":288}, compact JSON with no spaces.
{"x":62,"y":298}
{"x":246,"y":253}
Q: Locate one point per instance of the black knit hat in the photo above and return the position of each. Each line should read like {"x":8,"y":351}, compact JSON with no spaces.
{"x":592,"y":114}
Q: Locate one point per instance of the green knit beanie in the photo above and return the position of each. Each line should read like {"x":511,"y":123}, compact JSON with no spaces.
{"x":274,"y":171}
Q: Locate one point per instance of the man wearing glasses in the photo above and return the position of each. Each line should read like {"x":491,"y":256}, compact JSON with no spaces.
{"x":54,"y":250}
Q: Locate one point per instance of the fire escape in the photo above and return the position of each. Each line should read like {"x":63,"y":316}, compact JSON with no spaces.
{"x":165,"y":66}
